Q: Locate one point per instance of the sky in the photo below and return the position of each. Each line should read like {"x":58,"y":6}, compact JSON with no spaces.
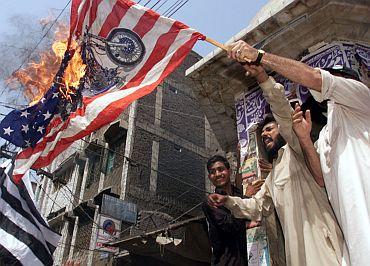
{"x":217,"y":19}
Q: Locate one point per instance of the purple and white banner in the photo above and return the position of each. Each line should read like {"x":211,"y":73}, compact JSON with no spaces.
{"x":241,"y":122}
{"x":256,"y":106}
{"x":251,"y":108}
{"x":363,"y":53}
{"x":327,"y":56}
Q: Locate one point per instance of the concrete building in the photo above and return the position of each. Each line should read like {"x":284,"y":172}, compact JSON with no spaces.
{"x":293,"y":29}
{"x":319,"y":32}
{"x":152,"y":157}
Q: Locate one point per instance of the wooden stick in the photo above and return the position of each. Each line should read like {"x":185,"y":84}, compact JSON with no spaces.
{"x":222,"y":46}
{"x":216,"y":43}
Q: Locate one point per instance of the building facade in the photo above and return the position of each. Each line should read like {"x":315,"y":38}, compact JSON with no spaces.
{"x":152,"y":158}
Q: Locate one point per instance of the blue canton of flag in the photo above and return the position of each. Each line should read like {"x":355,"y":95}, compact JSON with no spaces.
{"x":24,"y":128}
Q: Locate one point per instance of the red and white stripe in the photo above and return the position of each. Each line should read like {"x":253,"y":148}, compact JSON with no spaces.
{"x":167,"y":43}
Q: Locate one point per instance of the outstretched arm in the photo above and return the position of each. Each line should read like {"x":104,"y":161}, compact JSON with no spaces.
{"x":223,"y":220}
{"x":280,"y":107}
{"x":302,"y":128}
{"x":293,"y":70}
{"x":253,"y":208}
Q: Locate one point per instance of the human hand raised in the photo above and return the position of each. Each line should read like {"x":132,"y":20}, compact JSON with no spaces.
{"x":302,"y":124}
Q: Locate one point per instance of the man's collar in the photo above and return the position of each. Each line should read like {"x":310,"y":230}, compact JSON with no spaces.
{"x":281,"y":150}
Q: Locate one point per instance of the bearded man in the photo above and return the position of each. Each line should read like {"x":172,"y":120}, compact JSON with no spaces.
{"x":312,"y":235}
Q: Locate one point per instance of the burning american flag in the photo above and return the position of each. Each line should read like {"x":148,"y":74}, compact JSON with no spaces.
{"x":126,"y":50}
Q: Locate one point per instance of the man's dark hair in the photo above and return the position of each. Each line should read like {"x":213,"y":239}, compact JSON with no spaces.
{"x":343,"y":71}
{"x":217,"y":158}
{"x":317,"y":110}
{"x":268,"y":119}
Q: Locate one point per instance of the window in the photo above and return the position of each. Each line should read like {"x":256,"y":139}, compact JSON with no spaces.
{"x":93,"y":171}
{"x":110,"y":161}
{"x":170,"y":88}
{"x":94,"y":152}
{"x":115,"y":136}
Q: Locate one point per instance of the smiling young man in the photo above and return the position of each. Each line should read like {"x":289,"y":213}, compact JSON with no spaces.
{"x":312,"y":234}
{"x":227,"y":234}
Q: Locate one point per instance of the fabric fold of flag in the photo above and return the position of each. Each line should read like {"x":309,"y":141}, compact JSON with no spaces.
{"x":25,"y":237}
{"x":133,"y":49}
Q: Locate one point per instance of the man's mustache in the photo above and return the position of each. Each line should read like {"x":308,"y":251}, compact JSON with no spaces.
{"x":266,"y":138}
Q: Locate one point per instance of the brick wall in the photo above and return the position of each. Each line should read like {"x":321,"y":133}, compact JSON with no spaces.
{"x":142,"y":153}
{"x":185,"y":118}
{"x":145,"y":108}
{"x":183,"y":165}
{"x":83,"y":238}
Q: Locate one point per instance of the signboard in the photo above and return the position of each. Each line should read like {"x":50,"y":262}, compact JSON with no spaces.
{"x":257,"y":240}
{"x":109,"y":230}
{"x":249,"y":166}
{"x":251,"y":108}
{"x":119,"y":209}
{"x":257,"y":247}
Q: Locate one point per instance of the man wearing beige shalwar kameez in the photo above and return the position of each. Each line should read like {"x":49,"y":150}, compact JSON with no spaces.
{"x":312,"y":235}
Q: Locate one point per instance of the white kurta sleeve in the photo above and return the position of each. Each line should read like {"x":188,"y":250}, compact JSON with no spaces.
{"x":253,"y":208}
{"x":347,"y":92}
{"x":282,"y":111}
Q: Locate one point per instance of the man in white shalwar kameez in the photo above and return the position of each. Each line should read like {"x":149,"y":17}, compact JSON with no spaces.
{"x":343,"y":145}
{"x":343,"y":149}
{"x":312,"y":234}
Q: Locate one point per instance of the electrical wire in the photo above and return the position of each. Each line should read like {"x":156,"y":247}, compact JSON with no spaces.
{"x":188,"y":211}
{"x":41,"y":187}
{"x":182,"y":215}
{"x":184,"y":3}
{"x":150,"y":168}
{"x":70,"y":201}
{"x":98,"y":225}
{"x":47,"y":194}
{"x":155,"y":4}
{"x":79,"y":199}
{"x":147,"y":2}
{"x":157,"y":210}
{"x":161,"y":5}
{"x":171,"y":7}
{"x":130,"y":159}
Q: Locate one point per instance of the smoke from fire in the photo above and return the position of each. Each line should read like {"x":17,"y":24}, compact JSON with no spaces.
{"x":36,"y":77}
